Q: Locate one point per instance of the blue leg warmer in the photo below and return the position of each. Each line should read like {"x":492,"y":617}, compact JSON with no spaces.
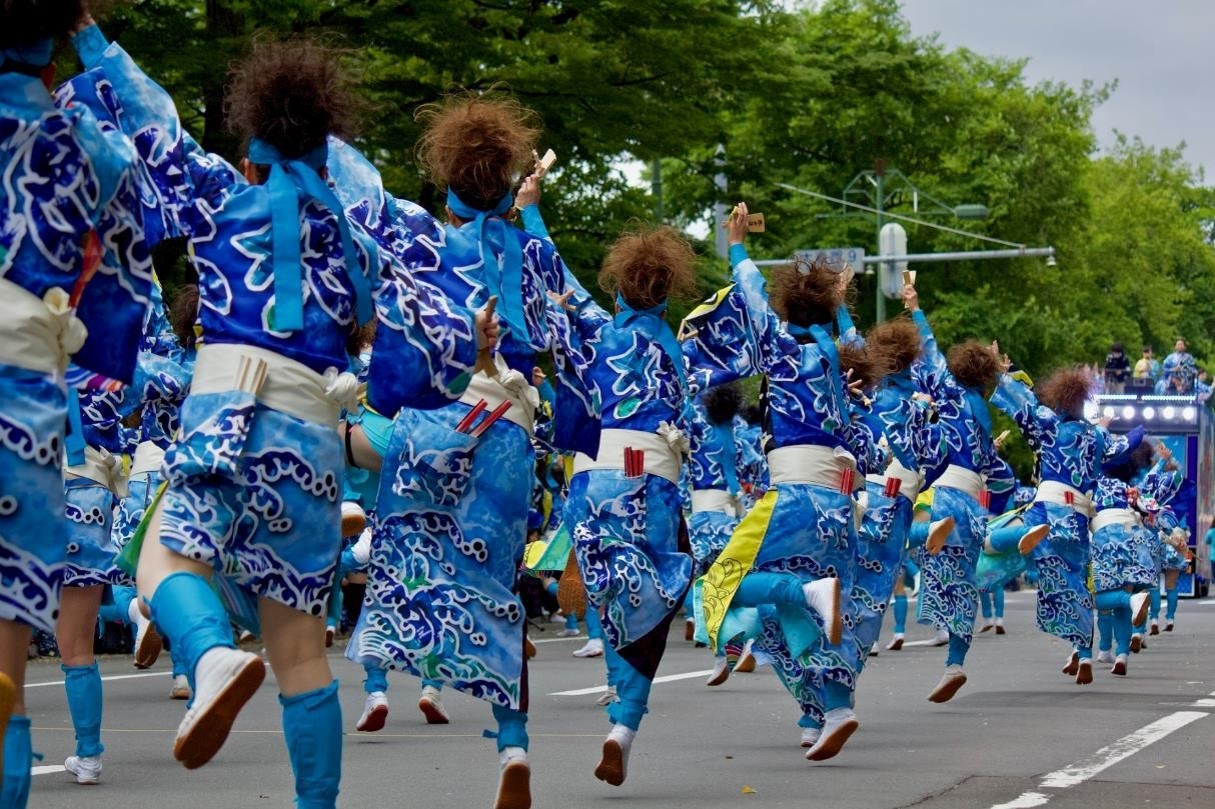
{"x":512,"y":728}
{"x":1005,"y":539}
{"x":312,"y":727}
{"x":375,"y":678}
{"x":432,"y":683}
{"x":83,"y":686}
{"x":769,"y":588}
{"x":836,"y":695}
{"x":985,"y":604}
{"x":1121,"y":620}
{"x":957,"y":651}
{"x":189,"y":613}
{"x":119,"y":610}
{"x":18,"y":758}
{"x":900,"y":614}
{"x":917,"y":534}
{"x":1105,"y":630}
{"x":632,"y":687}
{"x":997,"y":602}
{"x":1154,"y":611}
{"x":1170,"y":610}
{"x":594,"y":626}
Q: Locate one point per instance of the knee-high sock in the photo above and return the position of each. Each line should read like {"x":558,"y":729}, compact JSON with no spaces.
{"x":985,"y":604}
{"x":1154,"y":610}
{"x":18,"y":758}
{"x":119,"y":611}
{"x":757,"y":589}
{"x":997,"y":601}
{"x":83,"y":687}
{"x":594,"y":626}
{"x":632,"y":689}
{"x":189,"y":613}
{"x":1170,"y":611}
{"x":1105,"y":630}
{"x":1005,"y":539}
{"x":957,"y":651}
{"x":512,"y":727}
{"x":312,"y":728}
{"x":375,"y":678}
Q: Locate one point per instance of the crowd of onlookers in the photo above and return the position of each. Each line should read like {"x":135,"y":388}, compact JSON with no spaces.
{"x":1178,"y":374}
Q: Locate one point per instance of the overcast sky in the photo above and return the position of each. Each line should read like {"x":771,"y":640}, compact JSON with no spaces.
{"x":1162,"y":52}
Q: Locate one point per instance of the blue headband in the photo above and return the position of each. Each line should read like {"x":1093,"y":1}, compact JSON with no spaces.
{"x":505,"y":279}
{"x":658,"y":329}
{"x":289,"y":179}
{"x":36,"y":54}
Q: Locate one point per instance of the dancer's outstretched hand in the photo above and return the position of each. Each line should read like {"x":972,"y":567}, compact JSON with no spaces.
{"x":911,"y":298}
{"x":529,"y":192}
{"x":738,"y":228}
{"x":487,"y":328}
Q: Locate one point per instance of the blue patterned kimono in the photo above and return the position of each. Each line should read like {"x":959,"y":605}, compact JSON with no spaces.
{"x":62,"y":174}
{"x":1069,"y":451}
{"x":249,"y":484}
{"x":1157,"y":488}
{"x":1122,"y":554}
{"x":948,"y":594}
{"x":451,"y":513}
{"x":807,"y":529}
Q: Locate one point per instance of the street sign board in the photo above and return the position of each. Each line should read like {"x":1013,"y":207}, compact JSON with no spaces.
{"x":837,"y":257}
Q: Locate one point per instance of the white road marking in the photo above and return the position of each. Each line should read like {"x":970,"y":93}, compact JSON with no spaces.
{"x":47,"y":769}
{"x":161,"y":673}
{"x":561,"y":640}
{"x":1027,"y":800}
{"x":1104,"y":758}
{"x":599,"y":689}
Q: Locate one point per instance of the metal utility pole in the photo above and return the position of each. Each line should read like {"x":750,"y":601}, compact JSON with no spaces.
{"x":719,"y":207}
{"x":879,"y":171}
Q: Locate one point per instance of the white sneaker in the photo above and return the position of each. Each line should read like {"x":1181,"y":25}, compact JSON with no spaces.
{"x":1119,"y":667}
{"x":896,"y":643}
{"x":569,"y":633}
{"x":431,"y":706}
{"x":87,"y":769}
{"x":874,"y":650}
{"x":593,"y":648}
{"x":354,"y":519}
{"x":810,"y":736}
{"x":375,"y":713}
{"x":181,"y":687}
{"x":224,"y":680}
{"x":953,"y":679}
{"x":823,"y":597}
{"x":1139,"y":607}
{"x":746,"y":661}
{"x":721,"y":672}
{"x":608,"y":697}
{"x":1105,"y":657}
{"x":330,"y":634}
{"x":147,"y":641}
{"x":514,"y":780}
{"x":987,"y":625}
{"x":941,"y":638}
{"x":840,"y":725}
{"x":614,"y":763}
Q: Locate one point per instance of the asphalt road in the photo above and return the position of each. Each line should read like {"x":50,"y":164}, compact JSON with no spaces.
{"x":1018,"y":735}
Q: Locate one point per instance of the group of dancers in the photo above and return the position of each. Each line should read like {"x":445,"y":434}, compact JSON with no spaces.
{"x":349,"y":365}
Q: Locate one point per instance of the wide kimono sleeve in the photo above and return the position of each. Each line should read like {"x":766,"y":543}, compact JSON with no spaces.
{"x":735,"y":334}
{"x":1017,"y":401}
{"x":180,"y":173}
{"x":932,"y":372}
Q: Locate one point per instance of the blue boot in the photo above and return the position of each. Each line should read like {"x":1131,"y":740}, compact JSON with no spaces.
{"x":83,"y":687}
{"x":188,"y":612}
{"x":312,"y":727}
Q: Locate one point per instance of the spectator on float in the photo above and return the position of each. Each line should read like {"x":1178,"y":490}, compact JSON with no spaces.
{"x":1147,"y":367}
{"x":1117,"y":369}
{"x":1202,"y":385}
{"x":1182,"y":358}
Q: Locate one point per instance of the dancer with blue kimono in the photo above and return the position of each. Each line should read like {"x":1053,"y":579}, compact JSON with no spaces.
{"x":1123,"y":567}
{"x":624,"y":508}
{"x":64,"y":176}
{"x":794,"y":552}
{"x":451,"y":513}
{"x":256,"y":474}
{"x":1069,"y":451}
{"x":974,"y":480}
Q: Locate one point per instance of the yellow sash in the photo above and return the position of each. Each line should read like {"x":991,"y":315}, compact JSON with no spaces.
{"x":718,"y":586}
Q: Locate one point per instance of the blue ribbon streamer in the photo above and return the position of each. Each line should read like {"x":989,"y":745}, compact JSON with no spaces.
{"x":655,"y":326}
{"x":506,"y":279}
{"x":291,"y":179}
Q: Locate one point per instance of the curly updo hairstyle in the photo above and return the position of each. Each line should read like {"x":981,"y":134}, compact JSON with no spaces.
{"x":292,"y":94}
{"x":24,"y":22}
{"x":1065,"y":391}
{"x":898,"y":341}
{"x":974,"y":365}
{"x":477,"y":146}
{"x":647,"y":266}
{"x":806,"y":292}
{"x":867,"y":364}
